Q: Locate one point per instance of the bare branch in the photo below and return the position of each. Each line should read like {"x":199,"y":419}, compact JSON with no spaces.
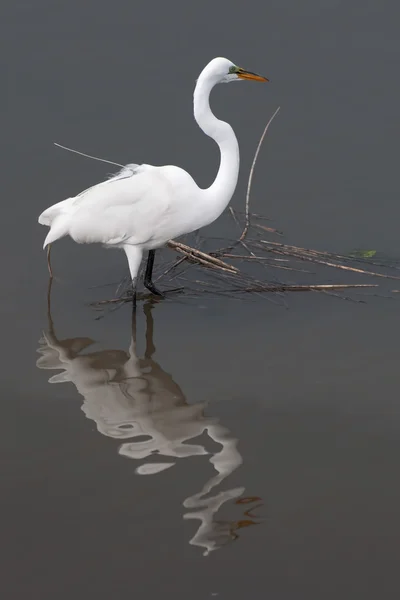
{"x":312,"y":256}
{"x":247,"y":224}
{"x":201,"y":257}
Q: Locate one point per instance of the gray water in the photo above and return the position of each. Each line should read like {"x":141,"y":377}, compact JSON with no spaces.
{"x":227,"y":448}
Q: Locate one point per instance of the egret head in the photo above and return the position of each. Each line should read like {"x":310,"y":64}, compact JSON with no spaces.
{"x":223,"y":70}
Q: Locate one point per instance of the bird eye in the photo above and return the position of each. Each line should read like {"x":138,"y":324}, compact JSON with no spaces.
{"x":232,"y":69}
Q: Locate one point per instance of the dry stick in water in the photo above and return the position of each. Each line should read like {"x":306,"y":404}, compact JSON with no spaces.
{"x":269,"y":229}
{"x":303,"y":254}
{"x":247,"y":213}
{"x":201,"y":257}
{"x":304,"y":288}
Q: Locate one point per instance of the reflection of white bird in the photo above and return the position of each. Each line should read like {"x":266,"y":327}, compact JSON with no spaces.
{"x":135,"y":400}
{"x":143,"y":206}
{"x":128,"y":397}
{"x":212,"y":534}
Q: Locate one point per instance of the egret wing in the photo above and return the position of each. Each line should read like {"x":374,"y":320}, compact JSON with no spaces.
{"x":125,"y":208}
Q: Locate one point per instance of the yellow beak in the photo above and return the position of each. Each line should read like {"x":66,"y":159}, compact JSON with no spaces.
{"x":249,"y":75}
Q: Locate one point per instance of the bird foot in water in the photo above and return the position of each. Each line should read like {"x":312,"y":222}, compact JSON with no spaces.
{"x":156,"y":292}
{"x":153,"y":290}
{"x":130,"y":295}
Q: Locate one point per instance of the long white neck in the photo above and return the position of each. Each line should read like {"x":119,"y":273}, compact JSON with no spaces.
{"x":218,"y":195}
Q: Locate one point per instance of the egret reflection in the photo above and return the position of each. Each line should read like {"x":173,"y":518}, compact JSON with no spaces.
{"x":132,"y":398}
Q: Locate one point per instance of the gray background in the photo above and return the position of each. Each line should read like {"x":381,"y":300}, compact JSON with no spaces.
{"x":309,"y":392}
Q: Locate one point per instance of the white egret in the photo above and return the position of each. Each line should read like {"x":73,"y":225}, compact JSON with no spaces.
{"x":143,"y":206}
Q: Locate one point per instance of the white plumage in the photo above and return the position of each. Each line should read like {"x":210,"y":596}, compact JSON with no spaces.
{"x":143,"y":206}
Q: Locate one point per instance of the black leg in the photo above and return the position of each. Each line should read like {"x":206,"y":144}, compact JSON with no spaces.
{"x":148,"y":275}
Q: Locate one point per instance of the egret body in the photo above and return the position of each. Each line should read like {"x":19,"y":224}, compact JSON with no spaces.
{"x":142,"y":206}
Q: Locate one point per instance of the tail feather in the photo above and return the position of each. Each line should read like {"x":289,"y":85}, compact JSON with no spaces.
{"x":57,"y":218}
{"x":47,"y":217}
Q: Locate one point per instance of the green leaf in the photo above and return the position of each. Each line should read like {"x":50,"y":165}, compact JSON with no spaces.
{"x":362,"y":253}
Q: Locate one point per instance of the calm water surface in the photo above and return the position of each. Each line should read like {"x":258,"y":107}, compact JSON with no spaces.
{"x":207,"y":448}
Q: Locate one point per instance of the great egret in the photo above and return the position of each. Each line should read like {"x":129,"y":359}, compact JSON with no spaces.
{"x":143,"y":206}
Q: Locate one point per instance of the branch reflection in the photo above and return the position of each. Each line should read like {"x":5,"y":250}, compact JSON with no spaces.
{"x":134,"y":399}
